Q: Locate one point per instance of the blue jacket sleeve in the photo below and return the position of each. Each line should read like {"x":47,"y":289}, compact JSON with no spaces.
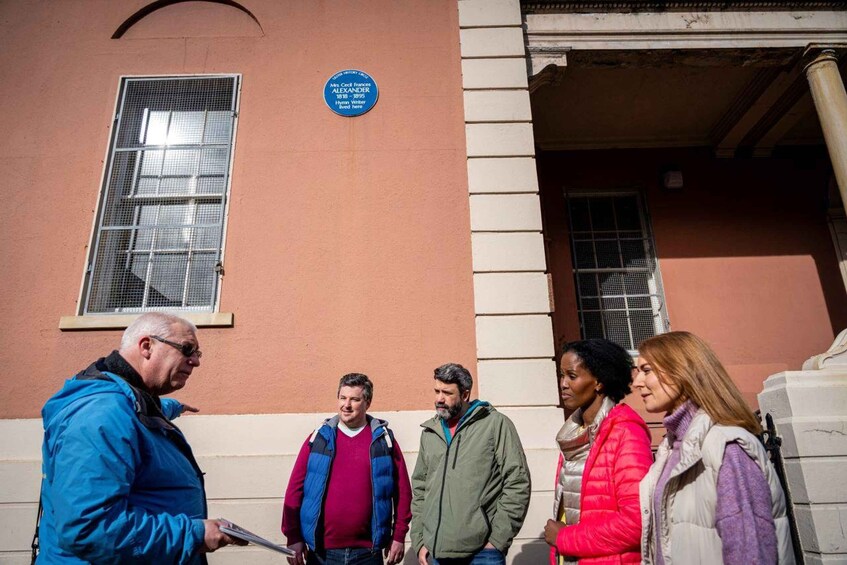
{"x":171,"y":408}
{"x":94,"y":460}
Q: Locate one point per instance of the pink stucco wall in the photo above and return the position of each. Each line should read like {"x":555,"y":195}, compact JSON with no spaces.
{"x":348,"y":240}
{"x":744,"y":250}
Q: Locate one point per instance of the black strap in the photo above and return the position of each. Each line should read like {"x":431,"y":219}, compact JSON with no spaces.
{"x":37,"y":525}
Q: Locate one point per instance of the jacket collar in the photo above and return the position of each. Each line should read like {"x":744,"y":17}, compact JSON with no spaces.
{"x":479,"y":409}
{"x":692,"y":442}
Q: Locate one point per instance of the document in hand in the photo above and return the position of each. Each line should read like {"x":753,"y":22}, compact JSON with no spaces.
{"x":238,"y":532}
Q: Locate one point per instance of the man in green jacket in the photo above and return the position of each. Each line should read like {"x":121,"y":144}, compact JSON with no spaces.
{"x":471,"y":486}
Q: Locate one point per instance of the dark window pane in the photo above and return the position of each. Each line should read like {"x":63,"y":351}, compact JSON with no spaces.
{"x":603,"y":214}
{"x":592,"y":325}
{"x":608,"y":256}
{"x":634,"y":253}
{"x":587,"y":284}
{"x":626,"y":208}
{"x":580,"y":215}
{"x":584,"y":255}
{"x":611,"y":283}
{"x":590,"y":303}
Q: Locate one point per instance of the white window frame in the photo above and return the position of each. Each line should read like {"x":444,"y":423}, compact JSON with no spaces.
{"x":207,"y":315}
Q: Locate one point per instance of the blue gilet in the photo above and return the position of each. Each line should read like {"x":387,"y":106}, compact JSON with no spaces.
{"x":319,"y":466}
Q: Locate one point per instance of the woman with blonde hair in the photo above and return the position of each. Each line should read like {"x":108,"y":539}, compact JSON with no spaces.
{"x":712,"y":496}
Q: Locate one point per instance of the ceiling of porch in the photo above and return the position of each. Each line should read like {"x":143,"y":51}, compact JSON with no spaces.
{"x":738,"y":102}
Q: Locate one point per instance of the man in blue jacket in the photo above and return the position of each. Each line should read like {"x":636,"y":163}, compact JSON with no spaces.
{"x":120,"y":483}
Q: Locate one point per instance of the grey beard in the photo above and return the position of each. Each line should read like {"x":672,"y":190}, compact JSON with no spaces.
{"x":448,"y":412}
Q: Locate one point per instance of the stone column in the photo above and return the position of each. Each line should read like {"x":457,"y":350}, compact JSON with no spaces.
{"x":831,"y":104}
{"x":809,"y":408}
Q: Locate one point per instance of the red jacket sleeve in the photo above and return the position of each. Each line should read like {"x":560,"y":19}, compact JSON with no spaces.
{"x":617,"y":532}
{"x":402,"y":496}
{"x":294,"y":497}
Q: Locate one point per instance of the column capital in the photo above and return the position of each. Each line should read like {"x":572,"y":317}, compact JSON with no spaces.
{"x":815,"y":53}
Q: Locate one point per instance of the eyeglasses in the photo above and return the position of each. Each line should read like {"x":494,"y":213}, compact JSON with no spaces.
{"x":187,"y":349}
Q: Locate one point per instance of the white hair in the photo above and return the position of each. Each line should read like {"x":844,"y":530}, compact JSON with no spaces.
{"x":152,"y":323}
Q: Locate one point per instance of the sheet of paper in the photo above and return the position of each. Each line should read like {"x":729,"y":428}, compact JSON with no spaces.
{"x":237,"y":531}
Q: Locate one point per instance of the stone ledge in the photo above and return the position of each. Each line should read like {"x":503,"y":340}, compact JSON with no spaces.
{"x":121,"y":321}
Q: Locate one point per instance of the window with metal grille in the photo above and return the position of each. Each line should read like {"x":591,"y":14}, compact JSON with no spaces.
{"x":159,"y":234}
{"x":619,"y":289}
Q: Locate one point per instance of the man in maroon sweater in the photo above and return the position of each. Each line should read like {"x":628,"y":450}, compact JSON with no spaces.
{"x":348,"y":500}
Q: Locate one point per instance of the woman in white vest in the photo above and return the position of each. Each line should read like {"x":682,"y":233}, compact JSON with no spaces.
{"x":712,"y":496}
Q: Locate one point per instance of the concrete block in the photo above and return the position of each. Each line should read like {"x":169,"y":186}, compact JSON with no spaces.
{"x":18,"y":525}
{"x":540,"y":509}
{"x":542,"y":464}
{"x":817,"y":393}
{"x":817,"y":480}
{"x":494,"y":73}
{"x":509,"y":174}
{"x":481,"y":13}
{"x":524,"y":382}
{"x":508,"y":252}
{"x":492,"y":42}
{"x":821,"y":528}
{"x":538,"y":427}
{"x":505,"y":212}
{"x":511,"y":293}
{"x":818,"y":559}
{"x":812,"y":437}
{"x":21,"y":438}
{"x":510,"y":337}
{"x":246,"y":476}
{"x":497,"y":106}
{"x":20,"y":481}
{"x":500,"y":140}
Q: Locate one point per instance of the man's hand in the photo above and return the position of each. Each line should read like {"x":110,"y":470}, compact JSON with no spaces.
{"x":299,"y":550}
{"x":551,"y":531}
{"x":422,"y":556}
{"x":215,"y":539}
{"x":188,"y":408}
{"x":395,"y":553}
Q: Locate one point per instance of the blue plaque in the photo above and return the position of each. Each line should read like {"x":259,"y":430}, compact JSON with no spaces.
{"x":350,"y":93}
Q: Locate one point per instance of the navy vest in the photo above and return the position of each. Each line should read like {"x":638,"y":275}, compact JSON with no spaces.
{"x":319,"y":466}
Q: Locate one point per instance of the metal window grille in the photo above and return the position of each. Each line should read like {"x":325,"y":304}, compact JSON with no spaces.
{"x":159,"y":234}
{"x":619,"y":289}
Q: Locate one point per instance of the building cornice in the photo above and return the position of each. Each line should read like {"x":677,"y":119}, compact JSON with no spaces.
{"x":612,"y":6}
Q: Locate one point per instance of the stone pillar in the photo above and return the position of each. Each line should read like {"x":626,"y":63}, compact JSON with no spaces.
{"x":831,"y":104}
{"x":809,"y":408}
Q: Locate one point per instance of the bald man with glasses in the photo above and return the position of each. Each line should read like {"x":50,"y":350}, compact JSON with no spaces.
{"x":120,"y":483}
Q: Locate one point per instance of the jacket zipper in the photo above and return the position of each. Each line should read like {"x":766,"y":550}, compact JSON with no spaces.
{"x":457,"y":439}
{"x":456,"y":454}
{"x":373,"y":486}
{"x":441,"y":499}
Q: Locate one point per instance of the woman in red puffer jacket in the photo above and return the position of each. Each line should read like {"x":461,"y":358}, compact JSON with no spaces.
{"x":605,"y":452}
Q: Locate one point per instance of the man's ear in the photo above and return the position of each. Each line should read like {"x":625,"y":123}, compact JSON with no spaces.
{"x":145,"y":346}
{"x":466,"y":396}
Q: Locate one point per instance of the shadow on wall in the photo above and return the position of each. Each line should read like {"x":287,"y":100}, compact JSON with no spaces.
{"x":535,"y":553}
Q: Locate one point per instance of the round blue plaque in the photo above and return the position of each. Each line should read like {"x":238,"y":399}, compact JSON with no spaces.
{"x":350,"y":93}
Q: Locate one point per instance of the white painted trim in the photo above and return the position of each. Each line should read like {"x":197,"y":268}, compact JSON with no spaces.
{"x":685,"y":30}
